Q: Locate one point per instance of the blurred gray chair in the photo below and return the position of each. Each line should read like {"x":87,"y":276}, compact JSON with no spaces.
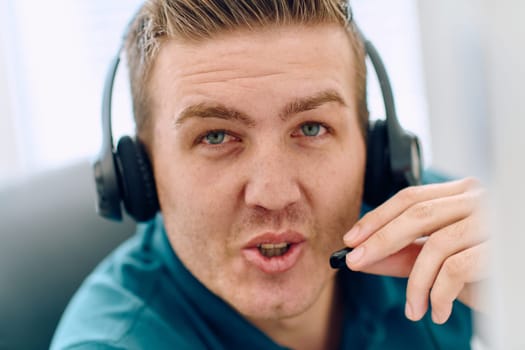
{"x":50,"y":239}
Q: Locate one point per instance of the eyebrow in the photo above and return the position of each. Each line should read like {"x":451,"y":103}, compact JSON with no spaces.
{"x":217,"y":110}
{"x":312,"y":102}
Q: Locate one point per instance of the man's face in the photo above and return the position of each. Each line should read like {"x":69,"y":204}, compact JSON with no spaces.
{"x":259,"y":161}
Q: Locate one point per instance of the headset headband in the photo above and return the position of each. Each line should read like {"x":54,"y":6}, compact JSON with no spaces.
{"x":400,"y":164}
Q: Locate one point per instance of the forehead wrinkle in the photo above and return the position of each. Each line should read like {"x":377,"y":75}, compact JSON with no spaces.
{"x":231,"y":74}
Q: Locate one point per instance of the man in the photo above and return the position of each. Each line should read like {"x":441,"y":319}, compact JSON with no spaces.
{"x":253,"y":114}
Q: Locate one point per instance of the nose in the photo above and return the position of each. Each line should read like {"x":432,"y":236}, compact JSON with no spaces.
{"x":273,"y":181}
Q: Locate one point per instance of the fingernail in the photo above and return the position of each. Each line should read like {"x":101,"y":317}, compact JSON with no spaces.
{"x":436,"y":317}
{"x":440,"y":317}
{"x":409,"y":311}
{"x":355,"y":255}
{"x":418,"y":307}
{"x":351,"y":235}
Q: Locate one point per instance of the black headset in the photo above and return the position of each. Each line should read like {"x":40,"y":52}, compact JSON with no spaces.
{"x":124,"y":175}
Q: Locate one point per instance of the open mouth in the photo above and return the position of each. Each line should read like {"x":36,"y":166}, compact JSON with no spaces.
{"x":270,"y":250}
{"x":274,"y":252}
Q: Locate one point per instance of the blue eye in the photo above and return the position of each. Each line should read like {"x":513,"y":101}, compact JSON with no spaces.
{"x":215,"y":137}
{"x":311,"y":129}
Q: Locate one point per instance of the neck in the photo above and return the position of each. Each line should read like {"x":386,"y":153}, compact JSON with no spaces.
{"x":319,"y":327}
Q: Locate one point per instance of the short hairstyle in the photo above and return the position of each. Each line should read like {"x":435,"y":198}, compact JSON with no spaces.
{"x":199,"y":20}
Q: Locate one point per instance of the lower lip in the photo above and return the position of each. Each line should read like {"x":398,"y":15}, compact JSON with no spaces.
{"x":275,"y":264}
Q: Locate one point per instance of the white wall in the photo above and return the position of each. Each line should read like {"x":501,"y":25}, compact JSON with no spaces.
{"x":51,"y":80}
{"x":393,"y":28}
{"x":474,"y":54}
{"x":456,"y":87}
{"x":506,"y":74}
{"x":7,"y":140}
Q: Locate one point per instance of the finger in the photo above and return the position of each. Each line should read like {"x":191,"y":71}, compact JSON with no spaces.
{"x":377,"y":218}
{"x":419,"y":220}
{"x":440,"y":245}
{"x":466,"y":267}
{"x":396,"y":265}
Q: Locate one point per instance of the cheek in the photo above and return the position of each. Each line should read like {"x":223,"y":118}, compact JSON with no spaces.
{"x":188,"y":198}
{"x":196,"y":218}
{"x":343,"y":209}
{"x":338,"y":189}
{"x":193,"y":201}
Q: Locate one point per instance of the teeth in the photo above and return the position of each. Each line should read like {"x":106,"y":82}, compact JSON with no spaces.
{"x":270,"y":245}
{"x":270,"y":250}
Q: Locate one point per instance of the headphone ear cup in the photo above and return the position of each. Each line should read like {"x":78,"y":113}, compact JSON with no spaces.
{"x":378,"y":175}
{"x":139,"y":193}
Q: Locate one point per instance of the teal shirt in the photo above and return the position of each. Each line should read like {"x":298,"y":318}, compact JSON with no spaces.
{"x":143,"y":297}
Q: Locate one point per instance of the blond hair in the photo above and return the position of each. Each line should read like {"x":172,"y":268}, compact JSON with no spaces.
{"x":198,"y":20}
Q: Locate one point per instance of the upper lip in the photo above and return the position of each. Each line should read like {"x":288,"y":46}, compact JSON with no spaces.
{"x":291,"y":237}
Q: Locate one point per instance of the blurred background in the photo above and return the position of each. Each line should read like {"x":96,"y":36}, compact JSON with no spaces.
{"x":456,"y":69}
